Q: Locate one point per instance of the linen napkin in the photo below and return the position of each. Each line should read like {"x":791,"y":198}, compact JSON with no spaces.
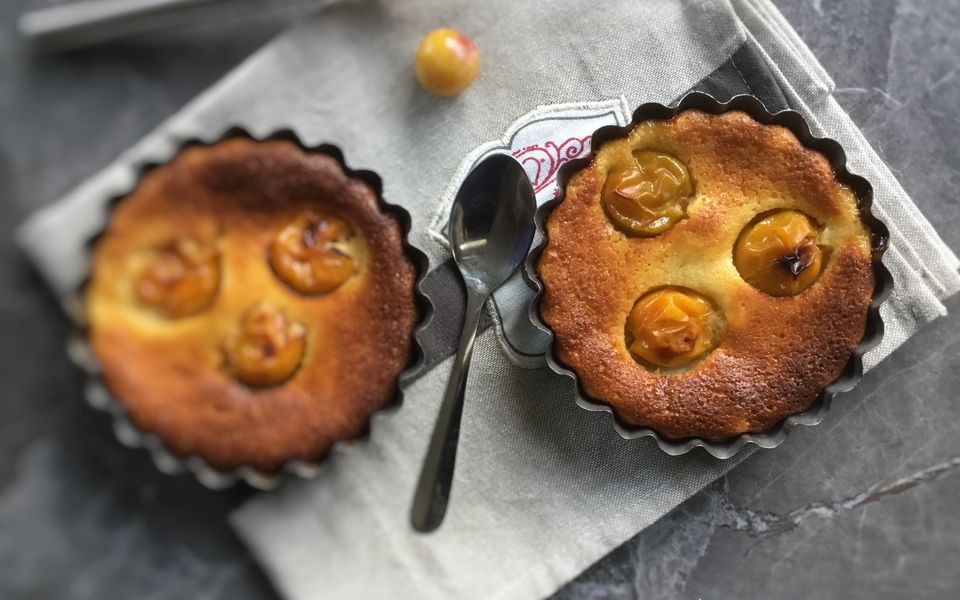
{"x":543,"y":488}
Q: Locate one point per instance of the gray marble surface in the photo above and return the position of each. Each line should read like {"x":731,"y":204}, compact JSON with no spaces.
{"x":870,"y":510}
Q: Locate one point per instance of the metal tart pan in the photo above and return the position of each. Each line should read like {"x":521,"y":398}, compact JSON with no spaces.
{"x":880,"y":236}
{"x":129,"y":434}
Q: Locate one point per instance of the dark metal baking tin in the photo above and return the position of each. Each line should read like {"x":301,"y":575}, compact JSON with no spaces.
{"x":852,"y":372}
{"x":131,"y":435}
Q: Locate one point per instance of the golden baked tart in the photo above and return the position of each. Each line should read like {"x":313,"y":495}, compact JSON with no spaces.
{"x":251,"y":303}
{"x":706,"y":275}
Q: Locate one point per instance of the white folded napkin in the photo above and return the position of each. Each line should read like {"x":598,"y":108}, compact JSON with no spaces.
{"x":543,"y":488}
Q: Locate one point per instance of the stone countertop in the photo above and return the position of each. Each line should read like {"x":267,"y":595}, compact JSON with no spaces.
{"x":869,"y":510}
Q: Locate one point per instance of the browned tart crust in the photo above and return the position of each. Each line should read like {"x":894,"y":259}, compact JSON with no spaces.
{"x":205,"y":342}
{"x":768,"y":353}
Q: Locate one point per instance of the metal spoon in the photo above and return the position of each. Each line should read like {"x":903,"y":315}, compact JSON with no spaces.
{"x":491,"y":228}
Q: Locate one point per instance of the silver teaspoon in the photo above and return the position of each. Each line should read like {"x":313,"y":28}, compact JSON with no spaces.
{"x":491,"y":229}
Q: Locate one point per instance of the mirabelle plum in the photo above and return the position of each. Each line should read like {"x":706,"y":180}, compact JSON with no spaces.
{"x":268,"y":348}
{"x":447,"y":62}
{"x":671,"y":328}
{"x":779,"y":254}
{"x":180,"y":279}
{"x":305,"y":256}
{"x":648,"y":197}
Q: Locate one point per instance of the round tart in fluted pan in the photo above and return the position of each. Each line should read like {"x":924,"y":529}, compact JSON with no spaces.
{"x":706,"y":275}
{"x":251,"y":303}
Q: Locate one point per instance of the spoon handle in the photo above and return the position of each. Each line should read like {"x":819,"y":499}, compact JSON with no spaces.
{"x":436,"y":477}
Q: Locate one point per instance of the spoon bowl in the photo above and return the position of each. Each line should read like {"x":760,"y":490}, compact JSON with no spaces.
{"x":491,"y":222}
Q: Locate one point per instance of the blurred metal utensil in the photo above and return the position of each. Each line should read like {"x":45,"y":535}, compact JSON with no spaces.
{"x":85,"y":23}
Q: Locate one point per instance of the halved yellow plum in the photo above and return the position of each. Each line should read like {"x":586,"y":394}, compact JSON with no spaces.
{"x":180,"y":279}
{"x":649,"y":196}
{"x":268,"y":348}
{"x":672,"y":327}
{"x":307,"y":254}
{"x":779,"y":254}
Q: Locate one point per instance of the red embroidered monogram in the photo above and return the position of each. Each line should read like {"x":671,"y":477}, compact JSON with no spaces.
{"x":542,"y":161}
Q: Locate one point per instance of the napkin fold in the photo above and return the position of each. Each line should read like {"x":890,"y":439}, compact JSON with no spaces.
{"x":543,"y":488}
